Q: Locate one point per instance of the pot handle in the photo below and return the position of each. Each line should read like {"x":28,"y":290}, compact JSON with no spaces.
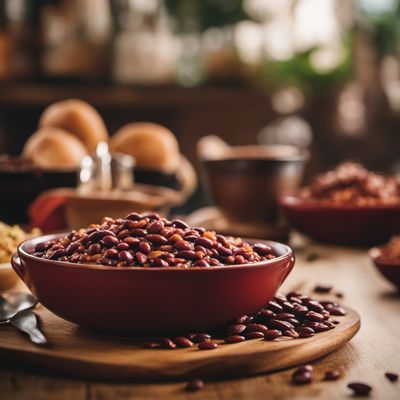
{"x":17,"y":266}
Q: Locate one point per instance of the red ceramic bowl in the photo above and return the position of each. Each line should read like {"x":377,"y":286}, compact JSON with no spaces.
{"x":390,"y":269}
{"x":151,"y":302}
{"x":342,"y":224}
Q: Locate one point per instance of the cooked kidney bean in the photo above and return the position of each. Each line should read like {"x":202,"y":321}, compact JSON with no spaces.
{"x":359,"y":388}
{"x":305,"y":332}
{"x":166,"y":343}
{"x":254,"y":335}
{"x":134,"y":241}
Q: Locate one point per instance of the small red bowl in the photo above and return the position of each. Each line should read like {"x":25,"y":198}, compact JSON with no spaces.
{"x":389,"y":268}
{"x":342,"y":224}
{"x":151,"y":301}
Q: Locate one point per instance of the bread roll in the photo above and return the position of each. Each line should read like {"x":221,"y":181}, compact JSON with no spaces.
{"x":153,"y":146}
{"x":54,"y":148}
{"x":77,"y":117}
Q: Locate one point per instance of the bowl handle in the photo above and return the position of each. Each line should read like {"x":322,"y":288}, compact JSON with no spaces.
{"x":17,"y":266}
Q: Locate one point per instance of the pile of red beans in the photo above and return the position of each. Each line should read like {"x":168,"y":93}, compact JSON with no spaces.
{"x":151,"y":241}
{"x":295,"y":315}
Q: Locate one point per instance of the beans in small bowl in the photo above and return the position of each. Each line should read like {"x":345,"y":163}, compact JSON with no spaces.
{"x":144,"y":275}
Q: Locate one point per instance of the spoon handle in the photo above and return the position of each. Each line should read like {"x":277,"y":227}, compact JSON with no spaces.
{"x":26,"y":321}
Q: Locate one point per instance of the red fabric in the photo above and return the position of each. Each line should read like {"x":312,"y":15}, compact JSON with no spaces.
{"x":47,"y":212}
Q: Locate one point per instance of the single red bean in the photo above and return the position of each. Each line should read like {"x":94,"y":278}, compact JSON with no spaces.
{"x":111,"y":253}
{"x":314,"y":316}
{"x":234,"y":339}
{"x":256,"y":328}
{"x":138,"y":232}
{"x":141,"y":258}
{"x":290,"y":333}
{"x":159,"y":262}
{"x":302,"y":378}
{"x":280,"y":325}
{"x":225,"y":252}
{"x":166,"y":343}
{"x":274,"y":306}
{"x":194,"y":385}
{"x":332,"y":375}
{"x":186,"y":254}
{"x":110,"y":241}
{"x":359,"y":388}
{"x":204,"y":242}
{"x":94,"y":248}
{"x":392,"y":376}
{"x":134,"y":216}
{"x":240,"y":320}
{"x":122,"y":246}
{"x":180,"y":224}
{"x":145,"y":247}
{"x":155,"y":227}
{"x":183,"y":245}
{"x":42,"y":246}
{"x":254,"y":335}
{"x":317,"y":326}
{"x":337,"y":311}
{"x":314,"y":305}
{"x":125,"y":256}
{"x":131,"y":241}
{"x":236,"y":329}
{"x":306,"y":367}
{"x":272,"y":334}
{"x":57,"y":254}
{"x":262,"y":249}
{"x":284,"y":316}
{"x":157,"y":239}
{"x":182,"y":341}
{"x":123,"y":234}
{"x":200,"y":337}
{"x":305,"y":332}
{"x":207,"y":345}
{"x":323,"y":288}
{"x":201,"y":263}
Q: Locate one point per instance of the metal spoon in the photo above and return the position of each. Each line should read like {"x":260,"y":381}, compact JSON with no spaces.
{"x":13,"y":303}
{"x":26,"y":321}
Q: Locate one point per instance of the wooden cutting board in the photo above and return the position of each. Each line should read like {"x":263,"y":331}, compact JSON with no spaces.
{"x":75,"y":352}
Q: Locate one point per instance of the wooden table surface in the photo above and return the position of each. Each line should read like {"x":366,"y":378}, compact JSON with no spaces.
{"x":374,"y":351}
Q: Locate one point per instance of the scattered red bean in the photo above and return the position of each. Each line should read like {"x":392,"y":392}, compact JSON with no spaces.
{"x":183,"y":342}
{"x":194,"y":385}
{"x":359,"y":388}
{"x":234,"y":339}
{"x":332,"y":375}
{"x":254,"y":335}
{"x":392,"y":376}
{"x":303,"y":375}
{"x":272,"y":334}
{"x":207,"y":345}
{"x":323,"y":288}
{"x":200,"y":337}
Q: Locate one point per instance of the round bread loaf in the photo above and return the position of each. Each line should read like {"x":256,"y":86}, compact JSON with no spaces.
{"x":153,"y":146}
{"x":54,"y":148}
{"x":77,"y":117}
